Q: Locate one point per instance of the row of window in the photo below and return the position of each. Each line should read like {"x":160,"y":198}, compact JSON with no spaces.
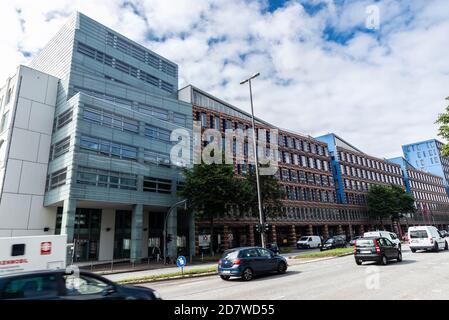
{"x":307,"y":162}
{"x":309,"y":194}
{"x":123,"y":67}
{"x":108,"y":148}
{"x":105,"y":178}
{"x":8,"y":97}
{"x":163,"y":114}
{"x":413,"y":174}
{"x":324,"y":214}
{"x":356,"y":199}
{"x":419,"y":195}
{"x":366,"y":162}
{"x":302,"y":145}
{"x":427,"y":187}
{"x":306,"y":177}
{"x":134,"y":51}
{"x":370,"y":175}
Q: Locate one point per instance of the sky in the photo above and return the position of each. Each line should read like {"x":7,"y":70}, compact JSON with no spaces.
{"x":375,"y":73}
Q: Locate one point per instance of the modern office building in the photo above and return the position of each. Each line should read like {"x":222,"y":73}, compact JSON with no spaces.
{"x":426,"y":156}
{"x":89,"y":123}
{"x":431,"y":199}
{"x":305,"y":174}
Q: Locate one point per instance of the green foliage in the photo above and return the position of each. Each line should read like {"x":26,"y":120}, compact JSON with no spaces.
{"x":389,"y":202}
{"x":443,"y":130}
{"x":270,"y":191}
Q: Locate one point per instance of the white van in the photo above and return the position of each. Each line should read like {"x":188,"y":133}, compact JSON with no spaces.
{"x":426,"y":238}
{"x":33,"y":253}
{"x":308,"y":242}
{"x":385,"y":234}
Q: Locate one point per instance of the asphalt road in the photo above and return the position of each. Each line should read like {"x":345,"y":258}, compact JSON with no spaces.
{"x":421,"y":275}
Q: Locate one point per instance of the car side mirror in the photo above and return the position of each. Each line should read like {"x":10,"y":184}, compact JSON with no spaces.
{"x":109,"y":290}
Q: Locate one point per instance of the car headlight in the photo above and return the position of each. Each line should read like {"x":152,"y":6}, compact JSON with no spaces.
{"x":156,"y":294}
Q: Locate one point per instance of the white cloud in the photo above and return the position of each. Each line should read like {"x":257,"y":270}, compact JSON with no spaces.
{"x":378,"y":90}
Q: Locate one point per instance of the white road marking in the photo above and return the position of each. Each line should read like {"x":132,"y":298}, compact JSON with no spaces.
{"x":278,"y":298}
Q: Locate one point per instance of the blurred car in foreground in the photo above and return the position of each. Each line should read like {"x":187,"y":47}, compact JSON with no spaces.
{"x":246,"y":262}
{"x":68,"y":285}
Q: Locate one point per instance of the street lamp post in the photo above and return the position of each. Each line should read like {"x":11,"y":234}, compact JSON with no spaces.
{"x":167,"y":215}
{"x":259,"y":200}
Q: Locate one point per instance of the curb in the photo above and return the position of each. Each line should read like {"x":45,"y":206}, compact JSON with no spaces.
{"x":214,"y":273}
{"x":197,"y":275}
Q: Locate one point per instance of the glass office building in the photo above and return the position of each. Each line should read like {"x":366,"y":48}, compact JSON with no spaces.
{"x":108,"y":180}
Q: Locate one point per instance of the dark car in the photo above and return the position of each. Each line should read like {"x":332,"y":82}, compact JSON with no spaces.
{"x":250,"y":261}
{"x":333,"y":243}
{"x":352,"y":241}
{"x":273,"y":247}
{"x":64,"y":285}
{"x":376,"y":249}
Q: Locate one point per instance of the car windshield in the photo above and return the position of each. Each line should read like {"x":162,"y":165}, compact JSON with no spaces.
{"x":229,"y":255}
{"x":364,"y":242}
{"x":418,"y":234}
{"x":330,"y":240}
{"x":303,"y":238}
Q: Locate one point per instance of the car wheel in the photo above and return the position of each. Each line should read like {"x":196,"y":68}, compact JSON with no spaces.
{"x":399,"y":259}
{"x":358,"y":262}
{"x":225,"y":277}
{"x":413,"y":250}
{"x":247,"y":274}
{"x":399,"y":247}
{"x":446,"y":247}
{"x":282,"y":267}
{"x":435,"y":247}
{"x":383,"y":260}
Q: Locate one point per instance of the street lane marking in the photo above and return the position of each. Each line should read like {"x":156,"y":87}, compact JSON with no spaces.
{"x":278,"y":298}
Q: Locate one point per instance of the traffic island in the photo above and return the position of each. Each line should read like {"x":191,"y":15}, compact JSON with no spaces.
{"x":198,"y":272}
{"x":322,"y":255}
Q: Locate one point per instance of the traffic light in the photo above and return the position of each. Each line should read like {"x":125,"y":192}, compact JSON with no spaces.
{"x":258,"y":228}
{"x":266,"y":227}
{"x":169,"y":237}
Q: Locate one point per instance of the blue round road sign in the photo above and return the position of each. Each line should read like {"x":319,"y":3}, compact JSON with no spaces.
{"x":181,"y":261}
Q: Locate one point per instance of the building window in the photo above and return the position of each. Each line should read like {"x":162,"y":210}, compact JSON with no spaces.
{"x":107,"y":179}
{"x":157,"y":158}
{"x":62,"y":119}
{"x":108,"y":148}
{"x":59,"y":148}
{"x":157,"y":133}
{"x":4,"y":122}
{"x":56,"y":179}
{"x":151,"y":184}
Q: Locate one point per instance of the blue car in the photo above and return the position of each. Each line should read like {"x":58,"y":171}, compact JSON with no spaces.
{"x":250,"y":261}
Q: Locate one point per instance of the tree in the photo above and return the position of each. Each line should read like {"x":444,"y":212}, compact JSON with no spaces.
{"x":389,"y":202}
{"x":210,"y":190}
{"x":381,"y":202}
{"x":270,"y":193}
{"x":443,"y":130}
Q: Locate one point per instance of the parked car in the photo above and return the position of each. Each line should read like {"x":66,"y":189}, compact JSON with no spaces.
{"x":247,"y":262}
{"x":444,"y":233}
{"x":308,"y":242}
{"x":63,"y":285}
{"x":426,"y":238}
{"x":273,"y":247}
{"x":334,"y":242}
{"x":377,"y":249}
{"x":385,"y":234}
{"x":352,"y":242}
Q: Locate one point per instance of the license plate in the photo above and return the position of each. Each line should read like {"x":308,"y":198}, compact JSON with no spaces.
{"x":365,"y":251}
{"x":226,"y":272}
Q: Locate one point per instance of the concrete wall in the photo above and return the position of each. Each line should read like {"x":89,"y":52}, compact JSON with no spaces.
{"x":27,"y":147}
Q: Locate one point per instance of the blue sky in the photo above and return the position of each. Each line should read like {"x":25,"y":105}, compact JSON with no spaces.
{"x":323,"y":67}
